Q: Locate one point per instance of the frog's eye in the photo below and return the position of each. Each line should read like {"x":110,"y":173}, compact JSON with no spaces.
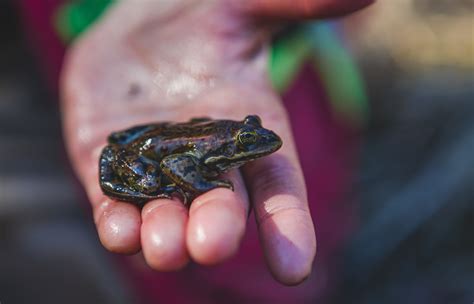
{"x":247,"y":138}
{"x":253,"y":120}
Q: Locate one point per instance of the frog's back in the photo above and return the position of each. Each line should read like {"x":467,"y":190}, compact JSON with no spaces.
{"x":127,"y":136}
{"x":195,"y":128}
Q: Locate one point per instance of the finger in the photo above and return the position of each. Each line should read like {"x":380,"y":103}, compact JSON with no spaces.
{"x":297,"y":9}
{"x":277,"y":189}
{"x":163,"y":234}
{"x":217,"y":223}
{"x":118,"y":225}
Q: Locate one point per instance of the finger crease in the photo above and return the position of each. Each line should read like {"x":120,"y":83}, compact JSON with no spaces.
{"x":277,"y":210}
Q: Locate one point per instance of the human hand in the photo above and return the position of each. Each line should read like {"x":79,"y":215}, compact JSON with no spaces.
{"x":152,"y":61}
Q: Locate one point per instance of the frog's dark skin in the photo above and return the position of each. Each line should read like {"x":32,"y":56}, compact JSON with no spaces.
{"x":158,"y":160}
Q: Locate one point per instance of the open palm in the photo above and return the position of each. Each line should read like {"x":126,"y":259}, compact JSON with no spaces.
{"x":153,"y":61}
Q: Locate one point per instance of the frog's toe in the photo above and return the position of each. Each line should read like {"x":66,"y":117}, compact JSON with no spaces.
{"x":163,"y":195}
{"x":225,"y":184}
{"x":186,"y":197}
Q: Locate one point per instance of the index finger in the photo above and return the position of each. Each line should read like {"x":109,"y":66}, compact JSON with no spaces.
{"x":118,"y":223}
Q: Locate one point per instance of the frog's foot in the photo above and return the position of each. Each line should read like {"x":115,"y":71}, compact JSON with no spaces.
{"x":183,"y":170}
{"x":172,"y":189}
{"x":187,"y":198}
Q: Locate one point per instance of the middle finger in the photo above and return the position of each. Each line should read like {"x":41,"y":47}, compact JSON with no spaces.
{"x":217,"y":222}
{"x":163,"y":234}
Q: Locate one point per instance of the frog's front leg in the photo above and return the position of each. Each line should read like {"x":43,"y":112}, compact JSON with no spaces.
{"x":183,"y":170}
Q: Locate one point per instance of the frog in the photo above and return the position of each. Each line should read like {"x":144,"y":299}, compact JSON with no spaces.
{"x":165,"y":159}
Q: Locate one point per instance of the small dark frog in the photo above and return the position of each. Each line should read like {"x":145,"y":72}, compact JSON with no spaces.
{"x":158,"y":160}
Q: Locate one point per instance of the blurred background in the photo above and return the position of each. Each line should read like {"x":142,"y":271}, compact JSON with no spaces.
{"x":49,"y":252}
{"x":398,"y":78}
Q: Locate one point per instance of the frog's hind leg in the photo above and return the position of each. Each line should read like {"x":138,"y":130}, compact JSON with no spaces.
{"x":112,"y":185}
{"x":106,"y":172}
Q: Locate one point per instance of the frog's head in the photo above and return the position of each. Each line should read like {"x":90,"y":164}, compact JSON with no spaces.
{"x":248,"y":140}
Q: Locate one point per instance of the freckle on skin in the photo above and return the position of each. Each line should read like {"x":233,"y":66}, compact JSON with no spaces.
{"x":134,"y":90}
